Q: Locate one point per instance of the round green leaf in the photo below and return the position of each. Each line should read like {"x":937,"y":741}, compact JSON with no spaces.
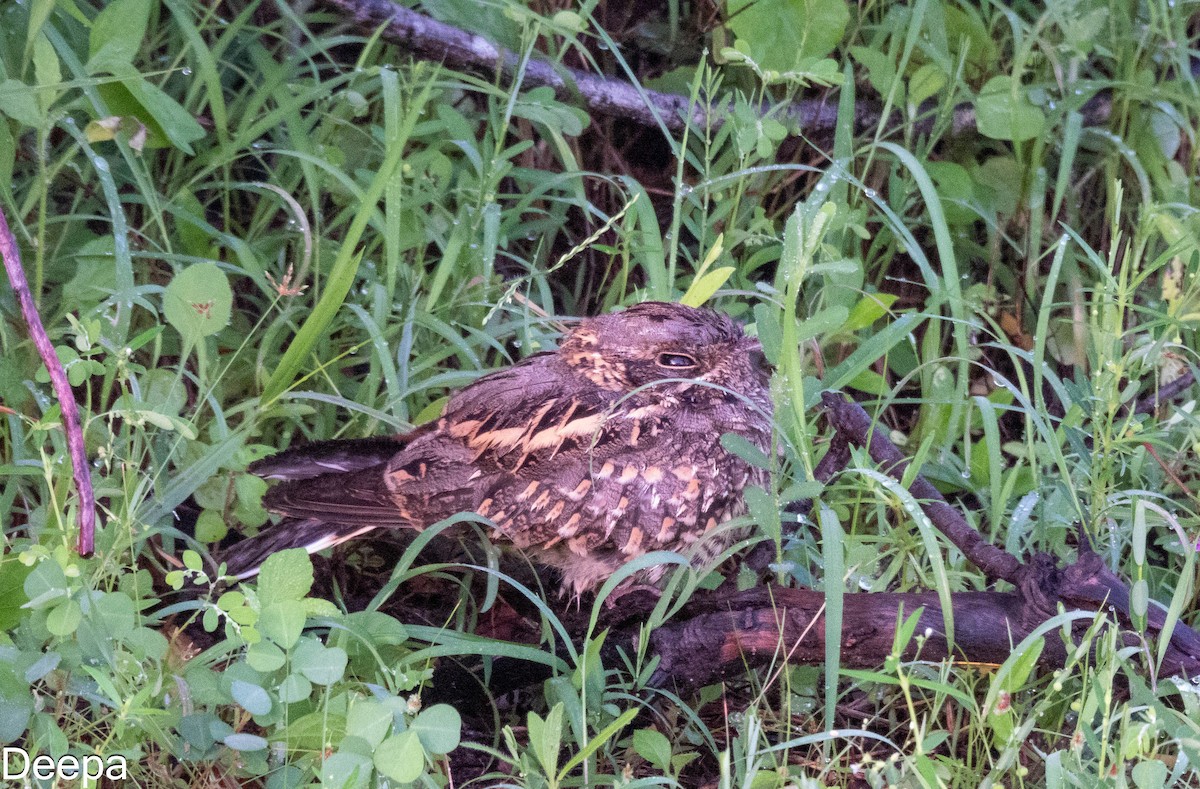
{"x":65,"y":618}
{"x":265,"y":657}
{"x":439,"y":727}
{"x":146,"y":643}
{"x":1149,"y":773}
{"x":925,"y":83}
{"x":320,"y":664}
{"x":114,"y":612}
{"x":198,"y":301}
{"x":210,"y":526}
{"x":345,"y":771}
{"x":369,"y":720}
{"x":251,"y":697}
{"x":45,"y":584}
{"x":401,"y":757}
{"x":294,"y":688}
{"x":286,"y":575}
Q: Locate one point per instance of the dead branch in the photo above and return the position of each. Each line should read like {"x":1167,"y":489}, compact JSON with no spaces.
{"x":429,"y":39}
{"x":722,"y":634}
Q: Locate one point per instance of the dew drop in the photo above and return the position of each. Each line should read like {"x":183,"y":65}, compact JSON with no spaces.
{"x":186,"y":71}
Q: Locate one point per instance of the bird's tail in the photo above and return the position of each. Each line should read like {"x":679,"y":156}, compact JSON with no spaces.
{"x":328,"y":493}
{"x":244,"y":559}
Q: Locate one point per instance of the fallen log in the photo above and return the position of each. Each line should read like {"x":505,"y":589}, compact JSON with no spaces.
{"x":720,"y":635}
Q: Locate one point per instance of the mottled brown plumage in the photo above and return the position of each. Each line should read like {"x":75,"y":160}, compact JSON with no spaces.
{"x":586,"y":457}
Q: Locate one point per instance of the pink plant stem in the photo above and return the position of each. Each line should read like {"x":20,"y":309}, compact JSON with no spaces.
{"x":58,"y":377}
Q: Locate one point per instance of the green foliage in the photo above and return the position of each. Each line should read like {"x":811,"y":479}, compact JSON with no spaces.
{"x":249,"y":230}
{"x":783,"y":35}
{"x":198,"y":302}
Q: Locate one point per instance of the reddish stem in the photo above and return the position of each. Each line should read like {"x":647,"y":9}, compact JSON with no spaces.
{"x":58,"y":377}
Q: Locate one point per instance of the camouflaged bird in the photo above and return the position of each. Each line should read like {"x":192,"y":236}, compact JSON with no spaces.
{"x":585,"y":457}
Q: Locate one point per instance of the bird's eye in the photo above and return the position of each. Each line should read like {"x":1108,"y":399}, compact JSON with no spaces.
{"x":677,"y":361}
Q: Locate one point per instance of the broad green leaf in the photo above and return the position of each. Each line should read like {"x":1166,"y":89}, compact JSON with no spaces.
{"x":114,"y":612}
{"x":210,"y":526}
{"x":401,"y":757}
{"x":829,"y":319}
{"x":545,"y":737}
{"x":320,"y":664}
{"x":12,"y":593}
{"x":265,"y":657}
{"x":957,"y":190}
{"x":870,"y":382}
{"x":286,"y":575}
{"x":926,"y":82}
{"x":47,"y":70}
{"x":1149,"y":774}
{"x":346,"y":770}
{"x":881,"y":71}
{"x":540,"y":106}
{"x":1003,"y":111}
{"x":198,"y":302}
{"x":163,"y":114}
{"x":867,"y":310}
{"x":252,"y":698}
{"x":439,"y":727}
{"x":282,"y":621}
{"x":19,"y":102}
{"x":778,"y":34}
{"x":116,"y":34}
{"x":370,"y":721}
{"x":16,"y":704}
{"x":770,"y":334}
{"x":738,"y":445}
{"x":64,"y":619}
{"x":294,"y":688}
{"x":654,"y":747}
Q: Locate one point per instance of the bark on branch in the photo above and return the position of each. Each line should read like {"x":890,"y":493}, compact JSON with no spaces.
{"x":429,"y":39}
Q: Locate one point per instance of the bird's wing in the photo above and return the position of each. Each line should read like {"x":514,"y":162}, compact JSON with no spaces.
{"x":530,"y":411}
{"x":325,"y":457}
{"x":359,"y":497}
